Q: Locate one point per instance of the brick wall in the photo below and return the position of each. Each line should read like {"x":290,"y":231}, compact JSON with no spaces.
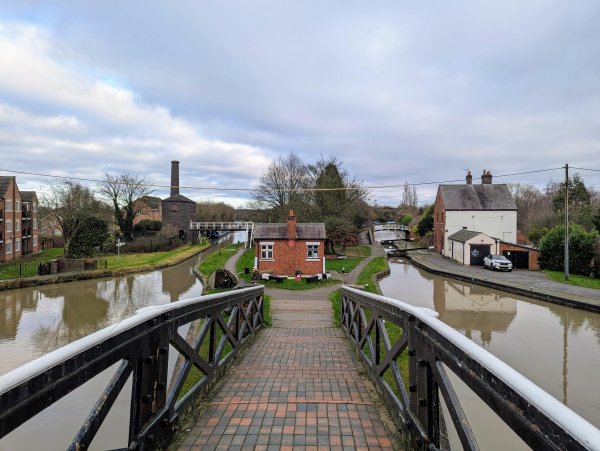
{"x":179,"y":215}
{"x":289,"y":259}
{"x":533,"y":255}
{"x":67,"y":265}
{"x":439,"y":222}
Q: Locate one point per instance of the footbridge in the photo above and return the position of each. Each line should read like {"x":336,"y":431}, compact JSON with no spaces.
{"x":196,"y":228}
{"x":297,"y":383}
{"x":395,"y":227}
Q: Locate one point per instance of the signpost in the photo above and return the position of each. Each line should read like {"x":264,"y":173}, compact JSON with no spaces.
{"x":119,"y":244}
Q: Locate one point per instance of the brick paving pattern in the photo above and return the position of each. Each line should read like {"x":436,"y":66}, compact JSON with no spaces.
{"x":295,"y":389}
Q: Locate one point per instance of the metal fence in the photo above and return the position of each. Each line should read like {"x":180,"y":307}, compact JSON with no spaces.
{"x":540,"y":420}
{"x":140,"y":345}
{"x":16,"y":270}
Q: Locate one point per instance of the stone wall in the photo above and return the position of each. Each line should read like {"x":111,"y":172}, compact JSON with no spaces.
{"x":70,"y":264}
{"x":178,"y":215}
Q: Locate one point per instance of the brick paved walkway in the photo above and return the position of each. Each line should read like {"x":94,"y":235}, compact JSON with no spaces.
{"x":296,"y":388}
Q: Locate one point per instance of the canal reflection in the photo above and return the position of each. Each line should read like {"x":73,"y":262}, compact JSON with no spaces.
{"x":533,"y":337}
{"x":38,"y":320}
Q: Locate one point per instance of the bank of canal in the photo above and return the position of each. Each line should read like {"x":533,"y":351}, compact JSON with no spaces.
{"x":38,"y":320}
{"x":556,"y":347}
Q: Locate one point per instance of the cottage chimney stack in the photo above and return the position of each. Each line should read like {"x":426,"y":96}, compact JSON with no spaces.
{"x":469,"y":178}
{"x":174,"y":177}
{"x":291,"y":226}
{"x":486,"y":178}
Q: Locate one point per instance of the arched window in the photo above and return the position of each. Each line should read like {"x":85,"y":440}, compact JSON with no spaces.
{"x":8,"y":226}
{"x":8,"y":205}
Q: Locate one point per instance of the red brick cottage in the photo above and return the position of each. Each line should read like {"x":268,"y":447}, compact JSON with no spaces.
{"x":287,"y":248}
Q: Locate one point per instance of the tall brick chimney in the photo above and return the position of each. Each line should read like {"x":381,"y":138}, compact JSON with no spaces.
{"x":174,"y":177}
{"x":291,"y":226}
{"x":469,"y":178}
{"x":486,"y":178}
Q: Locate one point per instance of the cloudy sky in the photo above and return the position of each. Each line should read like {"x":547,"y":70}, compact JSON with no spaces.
{"x":400,"y":91}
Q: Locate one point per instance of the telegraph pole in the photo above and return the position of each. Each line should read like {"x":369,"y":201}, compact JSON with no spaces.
{"x":566,"y":222}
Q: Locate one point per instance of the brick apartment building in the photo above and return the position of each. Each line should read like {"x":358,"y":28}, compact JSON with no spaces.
{"x":18,"y":220}
{"x":287,"y":248}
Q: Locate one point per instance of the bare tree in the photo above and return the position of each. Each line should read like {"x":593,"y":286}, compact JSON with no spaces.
{"x":122,"y":191}
{"x":410,"y":199}
{"x":71,"y":204}
{"x":279,"y":187}
{"x":209,"y":211}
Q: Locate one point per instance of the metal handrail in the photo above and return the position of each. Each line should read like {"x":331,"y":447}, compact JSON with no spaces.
{"x":141,"y":345}
{"x":538,"y":418}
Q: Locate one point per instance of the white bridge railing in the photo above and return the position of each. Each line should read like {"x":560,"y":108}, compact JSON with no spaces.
{"x":247,"y":226}
{"x":399,"y":227}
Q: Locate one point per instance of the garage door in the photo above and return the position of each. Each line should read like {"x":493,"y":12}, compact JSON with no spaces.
{"x":478,"y":253}
{"x":519,"y":259}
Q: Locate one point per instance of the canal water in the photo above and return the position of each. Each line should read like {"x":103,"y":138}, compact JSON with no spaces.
{"x":556,"y":347}
{"x":38,"y":320}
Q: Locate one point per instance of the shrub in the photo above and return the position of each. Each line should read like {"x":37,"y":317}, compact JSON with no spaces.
{"x":582,"y":248}
{"x":146,"y":227}
{"x":89,"y":237}
{"x":426,"y":223}
{"x":406,"y":220}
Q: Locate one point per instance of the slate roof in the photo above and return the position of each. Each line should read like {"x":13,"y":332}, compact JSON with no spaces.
{"x":151,"y":201}
{"x":178,"y":198}
{"x":309,"y":231}
{"x":477,"y":197}
{"x":27,"y":196}
{"x":462,"y":236}
{"x":4,"y":184}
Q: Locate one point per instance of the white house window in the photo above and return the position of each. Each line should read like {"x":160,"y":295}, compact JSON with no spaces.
{"x":9,"y":247}
{"x":34,"y":207}
{"x":18,"y":205}
{"x":266,"y":251}
{"x":312,"y":251}
{"x":8,"y":205}
{"x":17,"y":226}
{"x":17,"y":245}
{"x":35,"y":223}
{"x":8,"y":226}
{"x":34,"y":241}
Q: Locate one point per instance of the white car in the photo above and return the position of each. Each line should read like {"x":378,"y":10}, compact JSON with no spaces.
{"x":499,"y":262}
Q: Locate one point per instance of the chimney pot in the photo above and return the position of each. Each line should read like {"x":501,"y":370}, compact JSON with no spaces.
{"x":486,"y":178}
{"x":174,"y":177}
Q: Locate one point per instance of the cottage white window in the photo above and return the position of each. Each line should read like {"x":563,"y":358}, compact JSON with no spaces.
{"x":266,"y":251}
{"x":8,"y":226}
{"x":312,"y":252}
{"x":17,"y":226}
{"x":9,"y":247}
{"x":35,"y":223}
{"x":34,"y":207}
{"x":8,"y":205}
{"x":18,"y":206}
{"x":17,"y":245}
{"x":34,"y":241}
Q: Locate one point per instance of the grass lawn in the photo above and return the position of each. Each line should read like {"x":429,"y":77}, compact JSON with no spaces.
{"x":366,"y":275}
{"x":152,"y":258}
{"x":217,"y":261}
{"x":246,"y":260}
{"x":195,"y":375}
{"x":337,"y":265}
{"x":574,"y":279}
{"x":28,"y":266}
{"x":357,"y":251}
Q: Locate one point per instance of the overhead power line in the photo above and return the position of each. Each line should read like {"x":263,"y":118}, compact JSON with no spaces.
{"x":202,"y":188}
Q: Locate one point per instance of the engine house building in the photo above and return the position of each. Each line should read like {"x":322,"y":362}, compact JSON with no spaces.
{"x":178,"y":211}
{"x":287,"y":248}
